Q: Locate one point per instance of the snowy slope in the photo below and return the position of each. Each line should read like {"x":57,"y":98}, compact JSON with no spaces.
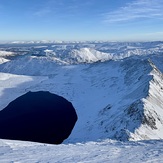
{"x":86,"y":55}
{"x":12,"y":86}
{"x":109,"y":97}
{"x":91,"y":152}
{"x":152,"y":127}
{"x":117,"y":95}
{"x":3,"y":54}
{"x":75,"y":55}
{"x":3,"y":60}
{"x":6,"y":53}
{"x":84,"y":52}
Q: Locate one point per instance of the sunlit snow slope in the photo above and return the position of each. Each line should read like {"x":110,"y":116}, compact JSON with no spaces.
{"x":116,"y":88}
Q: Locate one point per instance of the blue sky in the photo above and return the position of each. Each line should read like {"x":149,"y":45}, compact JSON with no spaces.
{"x":113,"y":20}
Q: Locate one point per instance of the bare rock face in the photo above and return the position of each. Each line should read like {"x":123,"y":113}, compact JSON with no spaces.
{"x":38,"y":116}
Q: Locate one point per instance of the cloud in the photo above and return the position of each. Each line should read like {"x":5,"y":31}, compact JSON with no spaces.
{"x":148,"y":9}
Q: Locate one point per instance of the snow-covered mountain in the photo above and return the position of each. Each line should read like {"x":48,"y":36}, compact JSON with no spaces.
{"x":117,"y":97}
{"x":116,"y":88}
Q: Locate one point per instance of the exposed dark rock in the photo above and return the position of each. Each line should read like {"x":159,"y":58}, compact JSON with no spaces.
{"x":150,"y":121}
{"x":39,"y":117}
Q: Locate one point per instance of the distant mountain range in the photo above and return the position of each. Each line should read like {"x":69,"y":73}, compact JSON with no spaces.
{"x":116,"y":88}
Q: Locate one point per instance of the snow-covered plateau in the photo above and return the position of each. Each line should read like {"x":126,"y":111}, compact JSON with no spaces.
{"x":115,"y":87}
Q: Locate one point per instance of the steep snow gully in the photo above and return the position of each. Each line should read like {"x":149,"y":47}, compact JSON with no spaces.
{"x":116,"y":89}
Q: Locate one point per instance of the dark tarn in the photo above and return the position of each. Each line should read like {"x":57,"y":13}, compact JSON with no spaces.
{"x":38,"y":116}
